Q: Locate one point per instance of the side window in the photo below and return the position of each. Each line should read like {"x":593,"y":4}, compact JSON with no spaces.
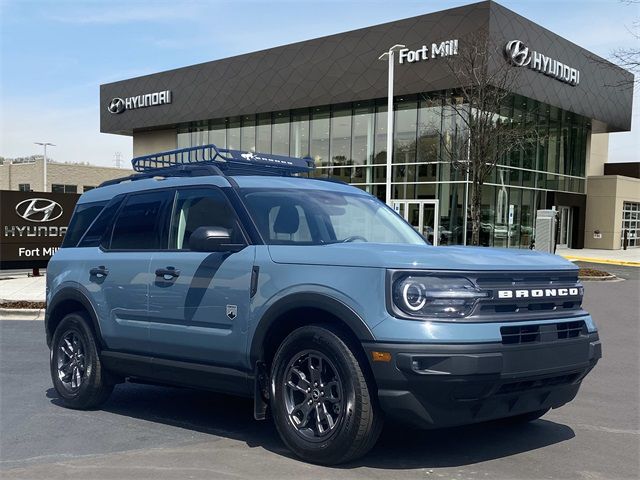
{"x":84,"y":215}
{"x":202,"y":207}
{"x":142,"y":222}
{"x":102,"y":224}
{"x":288,"y":222}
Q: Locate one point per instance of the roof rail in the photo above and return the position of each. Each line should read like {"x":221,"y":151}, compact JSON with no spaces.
{"x":229,"y":162}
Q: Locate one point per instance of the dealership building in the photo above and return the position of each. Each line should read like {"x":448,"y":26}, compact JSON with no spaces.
{"x":327,"y":98}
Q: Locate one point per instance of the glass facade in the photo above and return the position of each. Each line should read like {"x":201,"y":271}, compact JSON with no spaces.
{"x":348,"y":142}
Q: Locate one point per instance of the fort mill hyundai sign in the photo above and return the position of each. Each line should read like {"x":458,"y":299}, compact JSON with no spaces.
{"x":32,"y":226}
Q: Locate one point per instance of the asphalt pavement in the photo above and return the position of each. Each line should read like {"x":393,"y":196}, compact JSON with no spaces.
{"x":168,"y":433}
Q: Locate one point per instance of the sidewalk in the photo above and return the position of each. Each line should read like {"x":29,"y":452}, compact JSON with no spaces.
{"x":23,"y":287}
{"x":630,"y":257}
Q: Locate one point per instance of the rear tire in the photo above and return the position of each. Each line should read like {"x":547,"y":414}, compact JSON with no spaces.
{"x":76,"y":370}
{"x":323,"y":407}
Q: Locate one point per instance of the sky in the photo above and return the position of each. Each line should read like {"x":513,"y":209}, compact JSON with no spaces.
{"x":54,"y":54}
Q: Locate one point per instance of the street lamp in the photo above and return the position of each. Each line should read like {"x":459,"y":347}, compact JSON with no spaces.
{"x":45,"y":144}
{"x":390,"y":54}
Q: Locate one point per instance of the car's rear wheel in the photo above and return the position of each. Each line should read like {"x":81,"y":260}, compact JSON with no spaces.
{"x":323,"y":406}
{"x":76,"y":370}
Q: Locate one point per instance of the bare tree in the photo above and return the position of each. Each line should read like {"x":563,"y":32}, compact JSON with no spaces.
{"x":485,"y":132}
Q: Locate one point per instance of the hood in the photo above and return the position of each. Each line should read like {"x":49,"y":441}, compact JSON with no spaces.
{"x":418,"y":257}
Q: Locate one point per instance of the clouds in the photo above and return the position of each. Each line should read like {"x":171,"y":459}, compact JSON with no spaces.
{"x":56,"y":53}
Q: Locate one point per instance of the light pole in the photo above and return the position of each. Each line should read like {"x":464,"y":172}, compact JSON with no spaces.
{"x":45,"y":144}
{"x":390,"y":55}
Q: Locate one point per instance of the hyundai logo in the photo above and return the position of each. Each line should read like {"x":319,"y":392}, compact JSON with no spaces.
{"x":39,"y":210}
{"x":517,"y":53}
{"x":116,"y":105}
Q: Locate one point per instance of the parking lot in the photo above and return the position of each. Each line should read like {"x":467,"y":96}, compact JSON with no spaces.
{"x":156,"y":432}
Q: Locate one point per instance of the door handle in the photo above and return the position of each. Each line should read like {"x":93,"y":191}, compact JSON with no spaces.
{"x":170,"y":272}
{"x":99,"y":272}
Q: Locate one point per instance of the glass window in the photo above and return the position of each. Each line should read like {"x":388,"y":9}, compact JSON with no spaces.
{"x":299,"y":134}
{"x":200,"y":135}
{"x":405,"y":130}
{"x":298,"y":217}
{"x":320,"y":136}
{"x":380,"y":141}
{"x":86,"y":188}
{"x":102,"y":225}
{"x":280,"y":133}
{"x":362,"y":141}
{"x":263,"y":133}
{"x":60,"y":188}
{"x":184,"y":137}
{"x":218,"y":133}
{"x":83,"y":216}
{"x":340,"y":144}
{"x":248,"y":133}
{"x":233,"y":133}
{"x":141,"y":223}
{"x":24,"y":187}
{"x":202,"y":207}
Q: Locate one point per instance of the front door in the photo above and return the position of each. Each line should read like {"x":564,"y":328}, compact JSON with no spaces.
{"x":422,"y":215}
{"x":198,"y":301}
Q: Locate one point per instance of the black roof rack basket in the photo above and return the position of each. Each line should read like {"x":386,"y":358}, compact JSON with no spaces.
{"x":230,"y":162}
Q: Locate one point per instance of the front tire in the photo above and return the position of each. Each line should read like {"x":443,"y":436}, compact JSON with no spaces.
{"x":76,"y":369}
{"x":323,"y":407}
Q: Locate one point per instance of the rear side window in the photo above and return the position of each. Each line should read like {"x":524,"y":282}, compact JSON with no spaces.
{"x":103,"y":223}
{"x":142,"y":222}
{"x":84,"y":215}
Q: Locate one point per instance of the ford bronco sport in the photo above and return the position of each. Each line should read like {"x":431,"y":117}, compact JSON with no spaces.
{"x":223,"y":270}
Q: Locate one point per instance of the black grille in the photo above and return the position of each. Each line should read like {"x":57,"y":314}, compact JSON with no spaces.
{"x":549,"y":332}
{"x":514,"y":387}
{"x":492,"y":306}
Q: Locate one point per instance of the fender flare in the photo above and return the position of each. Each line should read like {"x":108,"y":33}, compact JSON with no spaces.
{"x":319,"y":301}
{"x":72,"y":293}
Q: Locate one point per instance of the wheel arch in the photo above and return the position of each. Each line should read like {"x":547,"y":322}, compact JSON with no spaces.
{"x":65,"y":301}
{"x":284,"y":316}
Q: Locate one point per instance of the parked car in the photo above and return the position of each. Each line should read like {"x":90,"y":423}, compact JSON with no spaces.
{"x":311,"y":297}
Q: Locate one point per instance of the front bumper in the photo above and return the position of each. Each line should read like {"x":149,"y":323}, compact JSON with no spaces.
{"x":442,"y":385}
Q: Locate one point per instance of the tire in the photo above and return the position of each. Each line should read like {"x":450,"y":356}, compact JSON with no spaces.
{"x":525,"y":417}
{"x":76,"y":370}
{"x":343,"y":400}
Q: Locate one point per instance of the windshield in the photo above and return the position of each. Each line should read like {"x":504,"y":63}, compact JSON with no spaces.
{"x":317,"y":217}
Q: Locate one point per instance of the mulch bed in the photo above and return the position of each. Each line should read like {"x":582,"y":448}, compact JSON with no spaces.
{"x":591,"y":272}
{"x":21,"y":304}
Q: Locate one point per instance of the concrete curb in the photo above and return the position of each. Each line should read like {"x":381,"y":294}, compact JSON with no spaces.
{"x":21,"y":313}
{"x":602,"y":260}
{"x":598,"y":279}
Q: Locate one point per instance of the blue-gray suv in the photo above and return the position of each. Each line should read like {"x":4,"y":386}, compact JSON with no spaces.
{"x":230,"y":271}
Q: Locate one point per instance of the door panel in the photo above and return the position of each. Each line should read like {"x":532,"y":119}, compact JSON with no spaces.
{"x":188,"y":314}
{"x":120,"y":297}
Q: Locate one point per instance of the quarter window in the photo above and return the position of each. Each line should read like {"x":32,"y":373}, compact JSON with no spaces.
{"x":141,"y":223}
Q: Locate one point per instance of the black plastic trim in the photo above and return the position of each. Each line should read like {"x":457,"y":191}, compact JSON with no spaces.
{"x":306,"y":300}
{"x":71,"y":293}
{"x":179,"y":373}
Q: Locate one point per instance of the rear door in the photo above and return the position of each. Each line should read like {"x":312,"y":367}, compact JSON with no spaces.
{"x":117,"y":274}
{"x":198,"y":301}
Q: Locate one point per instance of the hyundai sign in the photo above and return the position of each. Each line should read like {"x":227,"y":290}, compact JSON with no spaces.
{"x":32,"y":226}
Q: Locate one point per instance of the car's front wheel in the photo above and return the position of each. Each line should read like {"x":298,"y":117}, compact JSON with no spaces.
{"x":76,"y":370}
{"x":323,"y":406}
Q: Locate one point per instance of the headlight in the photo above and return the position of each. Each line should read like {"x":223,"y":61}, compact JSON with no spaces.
{"x":435,"y":296}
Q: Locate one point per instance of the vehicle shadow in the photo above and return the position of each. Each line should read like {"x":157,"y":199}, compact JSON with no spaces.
{"x":398,"y":448}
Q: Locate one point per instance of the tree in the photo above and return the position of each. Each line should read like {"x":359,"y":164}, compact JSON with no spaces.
{"x":484,"y":132}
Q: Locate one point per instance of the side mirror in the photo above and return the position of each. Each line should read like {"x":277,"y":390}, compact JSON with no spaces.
{"x":213,"y":239}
